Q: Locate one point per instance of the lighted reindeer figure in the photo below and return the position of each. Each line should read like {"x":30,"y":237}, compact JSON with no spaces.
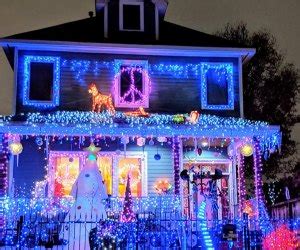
{"x":100,"y":100}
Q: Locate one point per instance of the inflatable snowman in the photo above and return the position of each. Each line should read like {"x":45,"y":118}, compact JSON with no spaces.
{"x":89,"y":193}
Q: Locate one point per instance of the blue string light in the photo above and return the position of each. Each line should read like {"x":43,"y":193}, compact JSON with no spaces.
{"x":203,"y":227}
{"x":56,"y":80}
{"x":220,"y":70}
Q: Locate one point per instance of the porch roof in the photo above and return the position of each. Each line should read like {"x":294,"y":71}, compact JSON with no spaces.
{"x":90,"y":123}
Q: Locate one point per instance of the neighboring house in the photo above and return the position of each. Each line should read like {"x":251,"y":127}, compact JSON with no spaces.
{"x":154,"y":74}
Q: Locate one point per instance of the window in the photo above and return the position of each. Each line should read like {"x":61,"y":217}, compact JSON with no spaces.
{"x":217,"y":90}
{"x":131,"y":16}
{"x":65,"y":166}
{"x":41,"y":81}
{"x":132,"y":84}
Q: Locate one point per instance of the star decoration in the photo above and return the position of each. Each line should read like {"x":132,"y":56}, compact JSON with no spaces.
{"x":92,"y":149}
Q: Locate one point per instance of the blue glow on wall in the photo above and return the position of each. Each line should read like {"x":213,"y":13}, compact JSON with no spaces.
{"x":221,"y":71}
{"x":56,"y":80}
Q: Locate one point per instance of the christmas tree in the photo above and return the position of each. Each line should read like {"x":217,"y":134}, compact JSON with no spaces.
{"x":128,"y":214}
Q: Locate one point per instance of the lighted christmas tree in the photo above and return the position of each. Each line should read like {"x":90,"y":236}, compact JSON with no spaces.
{"x":128,"y":214}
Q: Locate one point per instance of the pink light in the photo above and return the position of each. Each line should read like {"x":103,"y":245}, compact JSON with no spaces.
{"x":143,"y":100}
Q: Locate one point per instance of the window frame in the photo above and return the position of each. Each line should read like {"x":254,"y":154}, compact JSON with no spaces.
{"x":115,"y":173}
{"x":121,"y":15}
{"x":117,"y":87}
{"x":205,"y":67}
{"x":27,"y":76}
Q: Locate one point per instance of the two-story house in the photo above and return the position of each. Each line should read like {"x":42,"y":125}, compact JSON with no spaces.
{"x":156,"y":97}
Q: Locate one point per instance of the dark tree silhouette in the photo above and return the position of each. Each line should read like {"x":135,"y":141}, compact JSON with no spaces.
{"x":270,"y":87}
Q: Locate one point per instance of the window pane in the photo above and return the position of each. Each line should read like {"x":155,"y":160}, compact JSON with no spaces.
{"x":105,"y":166}
{"x":217,"y":87}
{"x":41,"y":81}
{"x":130,"y":166}
{"x":131,"y":17}
{"x":66,"y":173}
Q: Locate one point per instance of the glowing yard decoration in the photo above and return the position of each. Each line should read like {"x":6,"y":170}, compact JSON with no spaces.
{"x":101,"y":100}
{"x":139,"y":112}
{"x":281,"y":239}
{"x":135,"y":75}
{"x":89,"y":193}
{"x":194,"y":117}
{"x":162,"y":187}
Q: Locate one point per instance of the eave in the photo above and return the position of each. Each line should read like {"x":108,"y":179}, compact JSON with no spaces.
{"x":129,"y":49}
{"x":22,"y":128}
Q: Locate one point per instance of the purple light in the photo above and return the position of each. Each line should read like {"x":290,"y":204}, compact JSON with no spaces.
{"x":241,"y":185}
{"x":258,"y":177}
{"x":176,"y":153}
{"x":3,"y":179}
{"x":138,"y":98}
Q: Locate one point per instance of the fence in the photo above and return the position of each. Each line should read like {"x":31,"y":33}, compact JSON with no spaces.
{"x":147,"y":232}
{"x":158,"y":224}
{"x":286,"y":210}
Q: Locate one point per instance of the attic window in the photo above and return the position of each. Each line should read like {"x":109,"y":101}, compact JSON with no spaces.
{"x":41,"y":81}
{"x":132,"y":84}
{"x":131,"y":16}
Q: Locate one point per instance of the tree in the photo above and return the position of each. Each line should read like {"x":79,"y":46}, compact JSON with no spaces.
{"x":270,"y":87}
{"x":128,"y":214}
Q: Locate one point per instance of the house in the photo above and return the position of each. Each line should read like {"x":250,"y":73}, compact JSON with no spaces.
{"x":156,"y":97}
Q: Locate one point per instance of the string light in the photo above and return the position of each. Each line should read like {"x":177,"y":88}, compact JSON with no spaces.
{"x":56,"y":80}
{"x":220,"y":70}
{"x":176,"y":164}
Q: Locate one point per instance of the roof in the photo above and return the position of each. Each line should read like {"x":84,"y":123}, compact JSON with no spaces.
{"x":90,"y":30}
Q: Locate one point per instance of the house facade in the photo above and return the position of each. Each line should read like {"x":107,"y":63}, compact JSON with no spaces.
{"x":156,"y":97}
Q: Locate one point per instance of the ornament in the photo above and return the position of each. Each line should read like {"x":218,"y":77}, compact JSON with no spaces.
{"x":15,"y":148}
{"x":204,"y":143}
{"x":246,"y":149}
{"x":194,"y":117}
{"x":199,"y":151}
{"x":140,"y":141}
{"x":157,"y":157}
{"x":140,"y":112}
{"x":100,"y":100}
{"x":151,"y":142}
{"x":125,"y":140}
{"x":71,"y":159}
{"x":39,"y":141}
{"x":118,"y":152}
{"x":162,"y":139}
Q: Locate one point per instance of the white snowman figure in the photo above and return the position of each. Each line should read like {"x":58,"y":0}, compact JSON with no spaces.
{"x":89,"y":193}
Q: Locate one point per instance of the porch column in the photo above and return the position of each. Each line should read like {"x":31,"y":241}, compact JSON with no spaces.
{"x":241,"y":184}
{"x":259,"y":194}
{"x":4,"y":165}
{"x":176,"y":163}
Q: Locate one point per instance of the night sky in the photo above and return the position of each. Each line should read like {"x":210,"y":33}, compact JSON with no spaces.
{"x":280,"y":17}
